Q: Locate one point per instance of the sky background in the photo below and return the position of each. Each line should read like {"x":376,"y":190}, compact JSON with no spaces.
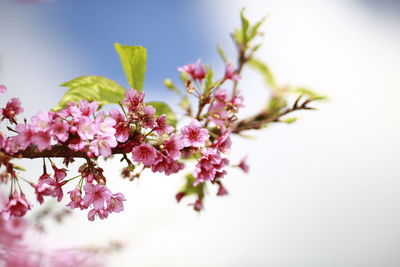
{"x":321,"y":192}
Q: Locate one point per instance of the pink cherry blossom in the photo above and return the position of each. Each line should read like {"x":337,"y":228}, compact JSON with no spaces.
{"x":230,"y":72}
{"x":223,"y":142}
{"x":16,"y":206}
{"x":12,"y":145}
{"x":144,"y":153}
{"x":195,"y":70}
{"x":221,"y":190}
{"x":60,"y":129}
{"x":218,"y":113}
{"x":87,"y":128}
{"x":102,"y":145}
{"x":25,"y":135}
{"x":121,"y":127}
{"x":101,"y":213}
{"x":162,"y":126}
{"x":166,"y":165}
{"x":209,"y":167}
{"x":105,"y":125}
{"x":133,"y":99}
{"x":95,"y":194}
{"x":221,"y":95}
{"x":218,"y":110}
{"x":48,"y":186}
{"x":59,"y":174}
{"x":198,"y":205}
{"x":77,"y":144}
{"x":86,"y":108}
{"x":114,"y":204}
{"x":42,"y":189}
{"x":70,"y":110}
{"x":42,"y":121}
{"x":179,"y":196}
{"x":161,"y":164}
{"x":243,"y":165}
{"x":194,"y":134}
{"x":12,"y":109}
{"x":147,"y":119}
{"x":173,"y":147}
{"x":237,"y":100}
{"x":173,"y":167}
{"x":76,"y":198}
{"x":42,"y":140}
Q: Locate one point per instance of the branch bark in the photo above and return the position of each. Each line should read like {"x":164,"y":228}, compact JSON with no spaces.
{"x":58,"y":151}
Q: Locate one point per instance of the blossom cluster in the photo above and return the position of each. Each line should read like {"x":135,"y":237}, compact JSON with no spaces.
{"x":136,"y":129}
{"x":219,"y":118}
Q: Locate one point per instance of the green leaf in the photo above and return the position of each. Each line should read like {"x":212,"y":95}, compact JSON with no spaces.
{"x":209,"y":79}
{"x":309,"y":93}
{"x":133,"y":60}
{"x":276,"y":103}
{"x":222,"y":54}
{"x":170,"y":85}
{"x":217,"y":83}
{"x":245,"y":26}
{"x":290,"y":120}
{"x":264,"y":70}
{"x":254,"y":29}
{"x":91,"y":88}
{"x":163,"y":108}
{"x":189,"y":189}
{"x":238,"y":36}
{"x":184,"y":77}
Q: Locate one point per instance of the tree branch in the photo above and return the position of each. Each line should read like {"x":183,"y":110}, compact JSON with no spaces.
{"x":58,"y":151}
{"x":264,"y":117}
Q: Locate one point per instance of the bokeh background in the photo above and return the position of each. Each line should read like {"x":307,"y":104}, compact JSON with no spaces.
{"x":324,"y":191}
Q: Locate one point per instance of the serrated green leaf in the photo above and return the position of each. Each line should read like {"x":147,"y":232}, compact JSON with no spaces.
{"x":163,"y":108}
{"x":264,"y":70}
{"x":133,"y":60}
{"x":91,"y":88}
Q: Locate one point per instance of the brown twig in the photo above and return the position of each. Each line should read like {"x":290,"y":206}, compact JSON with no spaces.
{"x":261,"y":119}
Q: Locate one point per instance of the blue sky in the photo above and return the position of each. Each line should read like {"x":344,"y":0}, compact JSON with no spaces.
{"x":172,"y":32}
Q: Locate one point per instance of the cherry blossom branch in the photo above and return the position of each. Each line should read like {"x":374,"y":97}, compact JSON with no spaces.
{"x":59,"y":151}
{"x":264,"y":117}
{"x":146,"y":134}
